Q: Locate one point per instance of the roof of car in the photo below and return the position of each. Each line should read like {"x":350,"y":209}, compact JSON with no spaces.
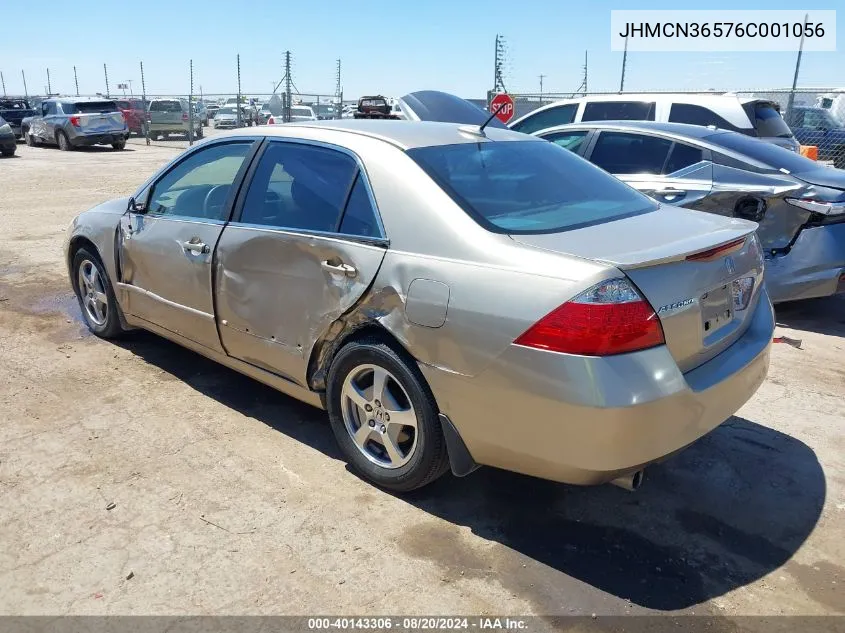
{"x":406,"y":134}
{"x":684,"y":129}
{"x":81,"y":99}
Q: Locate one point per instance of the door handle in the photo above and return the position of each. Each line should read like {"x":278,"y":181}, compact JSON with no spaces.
{"x":670,"y":192}
{"x":339,"y":269}
{"x":196,"y":247}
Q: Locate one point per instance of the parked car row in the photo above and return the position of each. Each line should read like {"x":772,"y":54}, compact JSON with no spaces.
{"x":750,"y":174}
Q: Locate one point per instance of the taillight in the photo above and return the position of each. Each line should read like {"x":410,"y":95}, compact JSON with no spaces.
{"x":271,"y":121}
{"x":609,"y":318}
{"x":184,"y":116}
{"x":74,"y":121}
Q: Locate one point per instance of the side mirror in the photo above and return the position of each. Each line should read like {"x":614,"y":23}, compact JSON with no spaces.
{"x":136,"y":206}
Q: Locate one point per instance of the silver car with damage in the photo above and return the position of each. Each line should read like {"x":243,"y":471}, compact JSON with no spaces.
{"x":72,"y":122}
{"x":454,"y":296}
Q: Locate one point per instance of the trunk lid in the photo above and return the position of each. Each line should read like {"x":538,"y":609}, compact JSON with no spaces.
{"x":692,"y":297}
{"x":96,"y":117}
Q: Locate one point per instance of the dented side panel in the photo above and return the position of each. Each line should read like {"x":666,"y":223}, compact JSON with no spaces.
{"x":275,"y":296}
{"x":757,"y":197}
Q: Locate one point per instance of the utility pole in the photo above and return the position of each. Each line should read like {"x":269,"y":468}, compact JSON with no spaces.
{"x":624,"y":62}
{"x":585,"y":73}
{"x":146,"y":107}
{"x":791,"y":101}
{"x":49,"y":87}
{"x":541,"y":88}
{"x":238,"y":104}
{"x":287,"y":87}
{"x":131,"y":94}
{"x":338,"y":92}
{"x":25,"y":91}
{"x":106,"y":73}
{"x":76,"y":81}
{"x":3,"y":81}
{"x":498,"y":81}
{"x":191,"y":105}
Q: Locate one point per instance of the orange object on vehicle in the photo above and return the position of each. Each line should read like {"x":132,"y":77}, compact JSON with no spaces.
{"x":810,"y":151}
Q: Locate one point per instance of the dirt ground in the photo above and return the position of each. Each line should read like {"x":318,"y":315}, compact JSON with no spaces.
{"x":139,"y":478}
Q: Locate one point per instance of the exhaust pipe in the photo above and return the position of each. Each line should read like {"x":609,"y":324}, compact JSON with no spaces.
{"x":630,"y":481}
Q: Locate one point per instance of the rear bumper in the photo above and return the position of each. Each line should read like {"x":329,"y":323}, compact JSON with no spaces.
{"x":84,"y":140}
{"x":811,"y":268}
{"x":585,"y":420}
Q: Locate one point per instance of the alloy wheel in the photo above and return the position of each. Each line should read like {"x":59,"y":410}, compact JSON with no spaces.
{"x":379,"y":416}
{"x":93,"y":293}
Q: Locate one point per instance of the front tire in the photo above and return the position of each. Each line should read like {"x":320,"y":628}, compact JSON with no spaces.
{"x":63,"y":141}
{"x":95,"y":295}
{"x":119,"y":145}
{"x":29,"y":138}
{"x":384,"y":416}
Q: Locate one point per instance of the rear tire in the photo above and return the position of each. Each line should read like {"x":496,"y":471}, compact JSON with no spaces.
{"x":119,"y":145}
{"x":418,"y":454}
{"x":63,"y":141}
{"x":199,"y":133}
{"x":29,"y":138}
{"x":8,"y":153}
{"x":91,"y":284}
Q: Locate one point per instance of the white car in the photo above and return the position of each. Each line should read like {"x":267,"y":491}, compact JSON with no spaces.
{"x":297,"y":113}
{"x":752,"y":116}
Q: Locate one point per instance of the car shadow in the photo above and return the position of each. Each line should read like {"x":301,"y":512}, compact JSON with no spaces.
{"x":825,"y":315}
{"x":727,"y":511}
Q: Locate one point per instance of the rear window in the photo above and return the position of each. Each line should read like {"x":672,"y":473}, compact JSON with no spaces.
{"x":768,"y":121}
{"x":764,"y":152}
{"x":544,"y":119}
{"x":521,"y":187}
{"x":165,"y":106}
{"x":301,"y":112}
{"x":89,"y":107}
{"x":699,"y":115}
{"x":619,"y":111}
{"x":124,"y":105}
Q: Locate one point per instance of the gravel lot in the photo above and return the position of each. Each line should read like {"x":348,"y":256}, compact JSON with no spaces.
{"x":139,"y":478}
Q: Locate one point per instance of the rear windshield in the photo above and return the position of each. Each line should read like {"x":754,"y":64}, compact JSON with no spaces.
{"x":768,"y":121}
{"x":124,"y":105}
{"x":227,"y":111}
{"x":762,"y":151}
{"x":165,"y":106}
{"x":301,"y":112}
{"x":89,"y":107}
{"x":13,"y":104}
{"x":528,"y":186}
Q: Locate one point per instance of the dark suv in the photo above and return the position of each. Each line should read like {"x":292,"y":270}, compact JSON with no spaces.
{"x":816,"y":126}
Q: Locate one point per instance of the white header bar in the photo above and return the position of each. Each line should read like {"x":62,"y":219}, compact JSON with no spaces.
{"x":722,"y":31}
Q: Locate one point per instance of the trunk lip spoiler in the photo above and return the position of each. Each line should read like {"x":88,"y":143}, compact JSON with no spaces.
{"x":715,"y":252}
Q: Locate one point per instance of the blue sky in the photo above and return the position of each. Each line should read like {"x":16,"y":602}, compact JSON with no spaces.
{"x":387,"y":47}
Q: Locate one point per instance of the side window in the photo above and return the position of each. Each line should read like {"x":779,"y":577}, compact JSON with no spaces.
{"x":699,"y":115}
{"x":547,"y":118}
{"x":814,"y":120}
{"x":623,"y":153}
{"x":359,"y":217}
{"x":797,"y":117}
{"x":199,"y":186}
{"x":299,"y":186}
{"x":48,"y":108}
{"x":682,"y":156}
{"x":568,"y":140}
{"x":618,"y":111}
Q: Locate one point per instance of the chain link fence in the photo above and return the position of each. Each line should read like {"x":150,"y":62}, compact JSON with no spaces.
{"x":816,"y":116}
{"x":169,"y":120}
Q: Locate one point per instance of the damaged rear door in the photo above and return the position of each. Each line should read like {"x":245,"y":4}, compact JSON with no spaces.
{"x":305,"y":244}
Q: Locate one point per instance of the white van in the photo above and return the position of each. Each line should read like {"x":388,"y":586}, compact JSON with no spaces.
{"x":752,"y":116}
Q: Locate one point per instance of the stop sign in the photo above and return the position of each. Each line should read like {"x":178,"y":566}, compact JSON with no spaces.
{"x":507,"y":110}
